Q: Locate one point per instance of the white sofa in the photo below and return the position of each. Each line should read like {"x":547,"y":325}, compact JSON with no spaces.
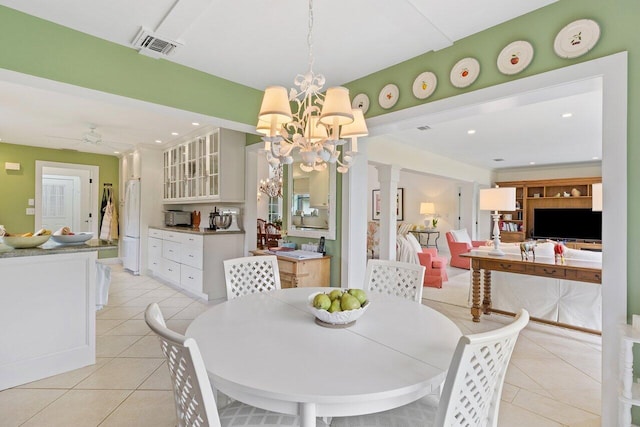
{"x":566,"y":301}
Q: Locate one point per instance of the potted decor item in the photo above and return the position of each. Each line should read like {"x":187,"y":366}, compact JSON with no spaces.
{"x":434,"y":222}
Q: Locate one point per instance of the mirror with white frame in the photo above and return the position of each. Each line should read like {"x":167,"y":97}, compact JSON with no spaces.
{"x":312,"y":197}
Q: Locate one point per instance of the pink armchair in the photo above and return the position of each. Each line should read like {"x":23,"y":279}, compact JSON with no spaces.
{"x":435,"y":267}
{"x":459,"y":243}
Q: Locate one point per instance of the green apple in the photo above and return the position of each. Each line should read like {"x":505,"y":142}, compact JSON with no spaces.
{"x":349,"y":302}
{"x":335,"y":294}
{"x":335,"y":306}
{"x":359,"y":294}
{"x":322,"y":302}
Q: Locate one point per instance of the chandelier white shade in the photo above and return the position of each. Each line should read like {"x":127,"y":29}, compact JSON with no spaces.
{"x":317,"y":125}
{"x":497,"y":199}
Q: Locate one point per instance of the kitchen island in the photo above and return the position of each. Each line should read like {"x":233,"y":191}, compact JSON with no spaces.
{"x":47,"y":310}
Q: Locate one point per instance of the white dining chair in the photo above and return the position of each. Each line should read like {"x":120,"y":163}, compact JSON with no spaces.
{"x":247,"y":275}
{"x":471,"y":392}
{"x":395,"y":278}
{"x":192,"y":391}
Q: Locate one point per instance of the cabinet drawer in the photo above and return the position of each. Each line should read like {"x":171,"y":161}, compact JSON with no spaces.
{"x":287,"y":266}
{"x":191,"y":255}
{"x":154,"y":232}
{"x":191,"y":278}
{"x":548,"y":271}
{"x":172,"y":236}
{"x":171,"y":270}
{"x":505,"y":266}
{"x":191,"y":239}
{"x":171,"y":250}
{"x":589,"y":276}
{"x":154,"y":244}
{"x":154,"y":254}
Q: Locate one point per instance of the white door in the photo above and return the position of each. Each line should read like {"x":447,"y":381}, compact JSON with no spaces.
{"x":61,"y":202}
{"x":85,"y":196}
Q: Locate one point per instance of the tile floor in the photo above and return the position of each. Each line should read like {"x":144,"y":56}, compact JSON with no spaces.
{"x":553,"y":378}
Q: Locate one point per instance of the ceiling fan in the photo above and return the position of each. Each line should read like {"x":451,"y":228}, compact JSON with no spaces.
{"x":94,"y":139}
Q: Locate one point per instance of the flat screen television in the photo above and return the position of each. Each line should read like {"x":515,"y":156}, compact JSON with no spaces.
{"x":567,"y":224}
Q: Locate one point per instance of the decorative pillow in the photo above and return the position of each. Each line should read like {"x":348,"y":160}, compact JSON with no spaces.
{"x":461,"y":235}
{"x":414,"y":242}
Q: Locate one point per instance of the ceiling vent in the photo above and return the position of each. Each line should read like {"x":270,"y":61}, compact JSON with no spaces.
{"x":425,"y":127}
{"x":151,"y":44}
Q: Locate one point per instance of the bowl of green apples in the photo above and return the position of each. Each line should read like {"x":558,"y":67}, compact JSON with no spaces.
{"x":338,"y":308}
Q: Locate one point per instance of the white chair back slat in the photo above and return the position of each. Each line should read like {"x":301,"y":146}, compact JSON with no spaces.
{"x":395,"y":278}
{"x":251,"y":274}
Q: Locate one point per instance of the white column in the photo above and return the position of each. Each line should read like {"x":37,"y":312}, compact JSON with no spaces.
{"x":250,"y":214}
{"x":388,"y":177}
{"x":354,"y":224}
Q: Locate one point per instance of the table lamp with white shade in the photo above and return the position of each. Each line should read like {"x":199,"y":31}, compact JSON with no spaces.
{"x":497,"y":199}
{"x":427,"y":208}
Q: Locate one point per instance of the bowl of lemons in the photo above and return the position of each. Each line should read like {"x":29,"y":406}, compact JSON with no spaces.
{"x":338,"y":308}
{"x":26,"y":240}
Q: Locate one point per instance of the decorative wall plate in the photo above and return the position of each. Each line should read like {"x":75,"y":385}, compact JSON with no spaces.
{"x":388,"y":96}
{"x":465,"y":72}
{"x":577,"y":38}
{"x":515,"y":57}
{"x":424,"y":85}
{"x":361,"y":101}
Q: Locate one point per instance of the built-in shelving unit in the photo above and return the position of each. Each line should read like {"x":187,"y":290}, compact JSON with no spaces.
{"x":516,"y":226}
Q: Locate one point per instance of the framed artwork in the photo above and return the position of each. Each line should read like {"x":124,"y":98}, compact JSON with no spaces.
{"x":375,"y":205}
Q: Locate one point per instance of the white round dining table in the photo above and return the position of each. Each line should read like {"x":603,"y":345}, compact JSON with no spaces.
{"x":266,"y":350}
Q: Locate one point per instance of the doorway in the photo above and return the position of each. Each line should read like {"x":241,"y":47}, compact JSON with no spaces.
{"x":66,"y":195}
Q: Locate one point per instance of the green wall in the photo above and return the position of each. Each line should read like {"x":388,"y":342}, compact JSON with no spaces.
{"x":18,"y":186}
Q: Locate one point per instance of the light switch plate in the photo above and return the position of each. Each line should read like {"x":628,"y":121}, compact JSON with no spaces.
{"x":31,"y":211}
{"x":32,"y":202}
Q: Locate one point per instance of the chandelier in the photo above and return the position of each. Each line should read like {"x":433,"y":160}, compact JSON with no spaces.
{"x":272,"y":186}
{"x":318,"y":126}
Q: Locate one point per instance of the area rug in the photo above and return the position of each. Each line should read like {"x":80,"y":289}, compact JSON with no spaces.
{"x":455,"y":291}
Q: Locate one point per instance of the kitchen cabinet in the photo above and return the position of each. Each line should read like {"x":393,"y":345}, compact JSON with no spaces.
{"x":178,"y":257}
{"x":209,"y":167}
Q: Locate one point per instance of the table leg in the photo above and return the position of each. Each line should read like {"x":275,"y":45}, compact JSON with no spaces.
{"x":486,"y":298}
{"x":475,"y":283}
{"x":307,"y":414}
{"x":435,"y":241}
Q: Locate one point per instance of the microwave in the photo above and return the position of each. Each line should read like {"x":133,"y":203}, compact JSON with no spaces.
{"x":177,"y":218}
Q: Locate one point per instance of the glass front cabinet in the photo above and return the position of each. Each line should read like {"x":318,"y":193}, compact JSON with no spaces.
{"x":193,"y":172}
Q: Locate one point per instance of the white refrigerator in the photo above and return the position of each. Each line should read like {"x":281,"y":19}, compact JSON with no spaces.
{"x":131,"y":235}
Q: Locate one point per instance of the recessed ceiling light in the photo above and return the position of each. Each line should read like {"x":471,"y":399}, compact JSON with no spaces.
{"x":565,"y":115}
{"x":532,"y":163}
{"x":116,"y":152}
{"x":159,"y":141}
{"x":174,"y":133}
{"x":595,"y":158}
{"x":195,"y":123}
{"x":471,"y":131}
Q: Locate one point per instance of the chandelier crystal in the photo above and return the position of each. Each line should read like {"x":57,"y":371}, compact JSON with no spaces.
{"x":319,"y":125}
{"x":272,"y":186}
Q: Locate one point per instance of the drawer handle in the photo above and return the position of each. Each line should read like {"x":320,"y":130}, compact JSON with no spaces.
{"x":170,"y":270}
{"x":190,"y":256}
{"x":549,"y":271}
{"x":190,"y":277}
